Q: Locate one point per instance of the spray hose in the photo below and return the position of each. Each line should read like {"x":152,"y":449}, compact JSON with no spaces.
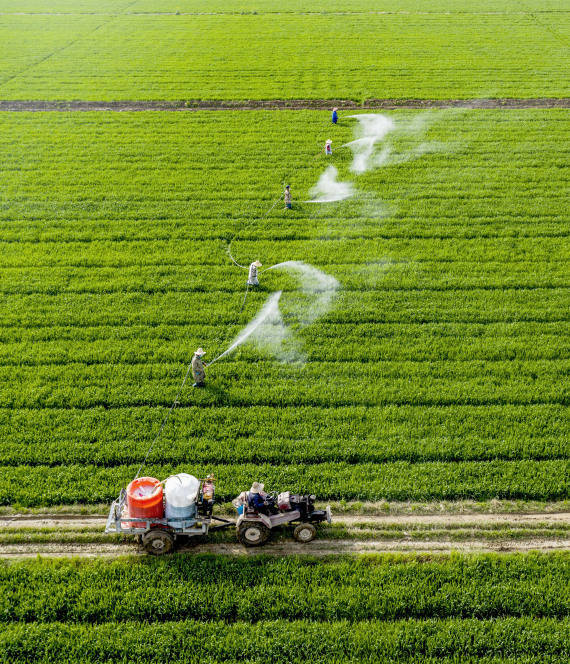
{"x":229,"y":252}
{"x":165,"y":420}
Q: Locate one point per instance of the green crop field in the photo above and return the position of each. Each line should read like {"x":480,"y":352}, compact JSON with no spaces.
{"x":413,"y":356}
{"x":182,"y":50}
{"x":479,"y":609}
{"x":437,"y":372}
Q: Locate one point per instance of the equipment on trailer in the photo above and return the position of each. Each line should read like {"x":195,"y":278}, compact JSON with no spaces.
{"x":161,"y":513}
{"x":254,"y":526}
{"x":160,"y":517}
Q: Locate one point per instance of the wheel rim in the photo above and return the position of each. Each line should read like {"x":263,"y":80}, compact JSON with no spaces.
{"x":252,"y":534}
{"x":158,"y":544}
{"x":305,"y":534}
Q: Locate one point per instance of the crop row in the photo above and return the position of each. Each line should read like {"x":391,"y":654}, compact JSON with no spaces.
{"x":300,"y":435}
{"x":409,"y":306}
{"x":268,"y":6}
{"x":367,"y":538}
{"x":151,"y":57}
{"x":400,"y":480}
{"x":319,"y":346}
{"x":388,"y":275}
{"x":528,"y":640}
{"x":247,"y":383}
{"x":322,"y":253}
{"x":78,"y":446}
{"x":217,"y":588}
{"x":138,"y":226}
{"x":345,"y":423}
{"x":425,"y":335}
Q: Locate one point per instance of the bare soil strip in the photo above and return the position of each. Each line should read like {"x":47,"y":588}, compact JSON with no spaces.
{"x":279,"y":104}
{"x":291,"y":12}
{"x":288,"y":548}
{"x":400,"y":543}
{"x":77,"y":521}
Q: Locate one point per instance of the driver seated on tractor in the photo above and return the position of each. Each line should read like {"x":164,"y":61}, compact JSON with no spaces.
{"x":256,"y":499}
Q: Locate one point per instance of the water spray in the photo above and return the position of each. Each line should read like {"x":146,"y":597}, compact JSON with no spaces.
{"x":268,"y":313}
{"x":318,"y":285}
{"x":329,"y":190}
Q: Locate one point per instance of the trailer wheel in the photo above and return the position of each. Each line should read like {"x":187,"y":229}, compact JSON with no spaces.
{"x":305,"y":532}
{"x":157,"y":542}
{"x":252,"y":533}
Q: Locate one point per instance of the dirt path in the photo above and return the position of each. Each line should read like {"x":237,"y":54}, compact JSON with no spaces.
{"x":288,"y":548}
{"x":280,"y":104}
{"x":78,"y":521}
{"x":68,"y":526}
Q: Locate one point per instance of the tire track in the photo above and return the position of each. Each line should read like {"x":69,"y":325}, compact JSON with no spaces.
{"x":400,"y":543}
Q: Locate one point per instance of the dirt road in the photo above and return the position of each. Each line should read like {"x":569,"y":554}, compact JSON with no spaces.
{"x":60,"y":535}
{"x":278,"y":104}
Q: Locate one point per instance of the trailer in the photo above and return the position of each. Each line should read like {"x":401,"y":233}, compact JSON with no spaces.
{"x":159,"y":535}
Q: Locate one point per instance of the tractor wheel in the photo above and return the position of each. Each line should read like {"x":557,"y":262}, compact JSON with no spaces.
{"x":252,"y":533}
{"x":157,"y":542}
{"x":305,"y":532}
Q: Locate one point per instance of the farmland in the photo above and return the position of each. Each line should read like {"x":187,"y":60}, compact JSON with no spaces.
{"x":114,"y":268}
{"x":340,"y":610}
{"x":142,"y":50}
{"x":414,"y":373}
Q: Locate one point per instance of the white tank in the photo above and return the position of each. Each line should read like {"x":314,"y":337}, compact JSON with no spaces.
{"x":180,"y":493}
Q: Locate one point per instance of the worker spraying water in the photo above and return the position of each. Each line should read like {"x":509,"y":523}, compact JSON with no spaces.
{"x":198,"y":368}
{"x":287,"y":197}
{"x":252,"y":279}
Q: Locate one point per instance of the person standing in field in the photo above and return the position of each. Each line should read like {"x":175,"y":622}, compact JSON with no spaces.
{"x":252,"y":279}
{"x":328,"y":147}
{"x":334,"y":115}
{"x":198,"y":368}
{"x":287,"y":197}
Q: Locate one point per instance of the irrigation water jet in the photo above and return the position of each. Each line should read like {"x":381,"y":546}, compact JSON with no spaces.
{"x":329,"y":190}
{"x":320,"y":288}
{"x":377,"y":128}
{"x":268,"y":332}
{"x":268,"y":315}
{"x":373,"y":128}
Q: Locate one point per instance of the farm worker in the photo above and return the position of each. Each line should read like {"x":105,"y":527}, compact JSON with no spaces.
{"x":208,"y":488}
{"x":328,"y":147}
{"x":241,"y":501}
{"x":334,"y":115}
{"x":198,"y":368}
{"x":256,"y":498}
{"x":252,"y":276}
{"x":287,"y":197}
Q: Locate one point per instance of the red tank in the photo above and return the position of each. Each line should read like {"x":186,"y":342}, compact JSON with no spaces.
{"x":145,"y":499}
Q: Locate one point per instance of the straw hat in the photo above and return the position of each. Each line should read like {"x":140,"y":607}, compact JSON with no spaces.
{"x":329,"y":141}
{"x":200,"y":352}
{"x":335,"y":108}
{"x":257,"y":264}
{"x":256,"y":487}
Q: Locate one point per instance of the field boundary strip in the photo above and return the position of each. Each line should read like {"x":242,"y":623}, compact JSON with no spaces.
{"x":280,"y":104}
{"x":291,"y":12}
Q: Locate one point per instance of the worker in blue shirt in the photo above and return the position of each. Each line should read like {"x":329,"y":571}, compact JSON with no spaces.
{"x":334,"y":115}
{"x":256,"y":498}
